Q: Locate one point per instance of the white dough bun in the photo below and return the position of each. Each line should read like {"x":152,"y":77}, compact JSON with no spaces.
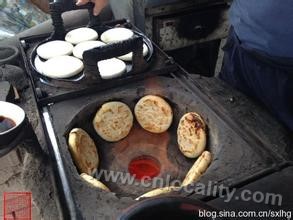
{"x":116,"y":34}
{"x":79,"y":35}
{"x":62,"y":67}
{"x":39,"y":64}
{"x":54,"y":49}
{"x":128,"y":57}
{"x":111,"y":68}
{"x":79,"y":49}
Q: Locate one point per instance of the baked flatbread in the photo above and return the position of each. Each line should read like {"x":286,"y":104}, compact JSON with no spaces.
{"x":159,"y":192}
{"x":153,"y":113}
{"x":198,"y":169}
{"x":94,"y":182}
{"x":83,"y":151}
{"x":54,"y":48}
{"x":86,"y":45}
{"x":116,"y":34}
{"x":191,"y":135}
{"x":113,"y":121}
{"x":62,"y":67}
{"x":80,"y":35}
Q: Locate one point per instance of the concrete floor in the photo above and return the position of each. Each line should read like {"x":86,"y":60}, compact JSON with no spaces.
{"x":11,"y":166}
{"x":28,"y":167}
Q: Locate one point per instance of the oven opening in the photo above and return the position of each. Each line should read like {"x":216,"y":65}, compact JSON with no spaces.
{"x":144,"y":167}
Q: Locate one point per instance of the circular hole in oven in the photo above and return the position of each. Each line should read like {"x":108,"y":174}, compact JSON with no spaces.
{"x":142,"y":156}
{"x":144,"y":166}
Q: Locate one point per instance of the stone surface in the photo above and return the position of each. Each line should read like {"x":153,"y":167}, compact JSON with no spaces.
{"x":28,"y":168}
{"x":6,"y":91}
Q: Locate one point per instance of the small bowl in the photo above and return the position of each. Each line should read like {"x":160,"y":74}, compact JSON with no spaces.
{"x":14,"y":113}
{"x":8,"y":55}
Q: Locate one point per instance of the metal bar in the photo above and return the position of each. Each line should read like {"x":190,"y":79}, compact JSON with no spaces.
{"x":60,"y":166}
{"x":106,"y":85}
{"x":220,"y":58}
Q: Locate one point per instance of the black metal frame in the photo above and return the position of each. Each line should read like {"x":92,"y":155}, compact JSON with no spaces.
{"x":53,"y":90}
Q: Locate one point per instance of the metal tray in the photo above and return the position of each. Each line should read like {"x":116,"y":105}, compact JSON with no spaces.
{"x":50,"y":90}
{"x":53,"y":90}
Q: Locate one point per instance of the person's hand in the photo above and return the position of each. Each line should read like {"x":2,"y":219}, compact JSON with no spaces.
{"x":41,"y":4}
{"x":99,"y":5}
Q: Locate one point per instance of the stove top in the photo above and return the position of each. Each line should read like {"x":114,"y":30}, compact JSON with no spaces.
{"x":237,"y":157}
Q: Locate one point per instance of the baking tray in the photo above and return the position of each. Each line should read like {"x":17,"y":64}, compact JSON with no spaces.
{"x":48,"y":90}
{"x":53,"y":90}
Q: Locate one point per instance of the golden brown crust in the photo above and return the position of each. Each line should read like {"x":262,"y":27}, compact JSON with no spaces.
{"x":113,"y":121}
{"x":191,"y":135}
{"x":198,"y":169}
{"x":154,"y":114}
{"x":159,"y":191}
{"x":83,"y":151}
{"x":94,"y":182}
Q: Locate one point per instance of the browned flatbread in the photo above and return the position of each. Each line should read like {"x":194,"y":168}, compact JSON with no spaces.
{"x":94,"y":182}
{"x":153,"y":114}
{"x":198,"y":169}
{"x":191,"y":135}
{"x":113,"y":121}
{"x":159,"y":192}
{"x":83,"y":151}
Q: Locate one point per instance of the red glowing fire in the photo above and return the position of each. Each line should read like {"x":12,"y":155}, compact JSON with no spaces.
{"x":144,"y":167}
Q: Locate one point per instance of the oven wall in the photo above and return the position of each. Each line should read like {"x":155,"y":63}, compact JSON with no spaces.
{"x":164,"y":21}
{"x":190,"y":31}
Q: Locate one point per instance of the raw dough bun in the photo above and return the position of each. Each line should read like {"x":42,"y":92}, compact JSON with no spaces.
{"x":39,"y":64}
{"x":62,"y":67}
{"x":80,"y":35}
{"x":111,"y":68}
{"x":116,"y":34}
{"x":54,"y":48}
{"x":128,"y":57}
{"x":79,"y":49}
